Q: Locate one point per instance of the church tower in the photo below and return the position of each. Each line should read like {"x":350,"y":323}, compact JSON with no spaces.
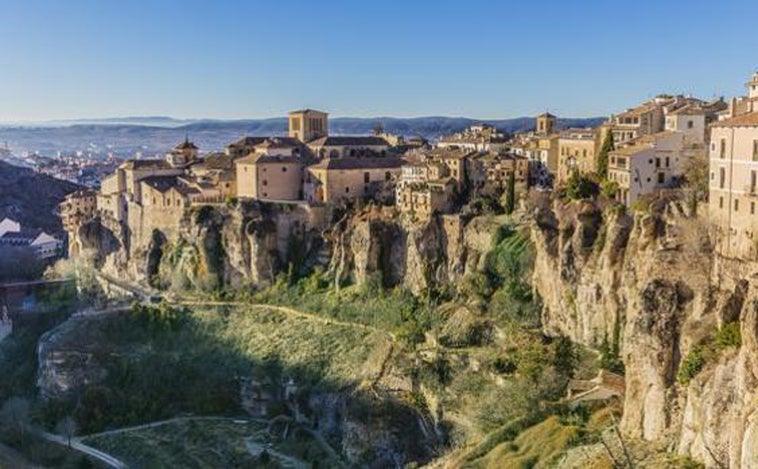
{"x":307,"y":125}
{"x":545,"y":123}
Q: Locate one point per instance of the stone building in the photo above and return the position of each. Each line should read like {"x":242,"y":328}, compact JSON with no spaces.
{"x":478,"y":137}
{"x":577,"y":151}
{"x":332,"y":180}
{"x":78,"y":207}
{"x":183,"y":154}
{"x":349,"y":146}
{"x":734,"y":186}
{"x":307,"y":125}
{"x":421,"y":200}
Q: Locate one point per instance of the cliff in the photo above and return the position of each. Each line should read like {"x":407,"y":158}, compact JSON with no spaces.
{"x":649,"y":286}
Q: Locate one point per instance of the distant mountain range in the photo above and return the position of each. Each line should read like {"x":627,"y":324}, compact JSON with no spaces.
{"x":156,"y":134}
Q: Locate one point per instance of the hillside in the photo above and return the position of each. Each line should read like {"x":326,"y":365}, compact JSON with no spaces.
{"x":32,"y":198}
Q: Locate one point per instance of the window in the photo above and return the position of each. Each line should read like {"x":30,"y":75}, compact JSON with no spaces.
{"x":387,"y":176}
{"x":284,"y":169}
{"x":736,"y":205}
{"x":722,"y":148}
{"x":722,"y":177}
{"x":366,"y":177}
{"x":265,"y":182}
{"x":347,"y":190}
{"x":752,"y":181}
{"x":661,"y":178}
{"x":657,"y":162}
{"x":755,"y":150}
{"x":752,"y":208}
{"x":721,"y":202}
{"x":690,"y":125}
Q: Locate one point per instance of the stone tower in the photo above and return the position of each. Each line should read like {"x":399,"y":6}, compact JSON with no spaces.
{"x":545,"y":123}
{"x":307,"y":125}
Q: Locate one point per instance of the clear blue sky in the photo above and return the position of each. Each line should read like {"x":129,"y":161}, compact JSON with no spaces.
{"x":260,"y":58}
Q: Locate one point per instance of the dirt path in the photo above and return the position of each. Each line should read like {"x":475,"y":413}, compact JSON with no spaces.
{"x":82,"y":448}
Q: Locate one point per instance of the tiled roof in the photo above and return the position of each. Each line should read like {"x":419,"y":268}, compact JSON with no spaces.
{"x":260,"y":158}
{"x":146,"y":164}
{"x":745,"y":120}
{"x":302,"y":111}
{"x":388,"y":162}
{"x":217,"y":161}
{"x":348,"y":141}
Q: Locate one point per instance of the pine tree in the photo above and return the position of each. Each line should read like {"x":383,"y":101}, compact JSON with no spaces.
{"x":602,"y":159}
{"x":510,"y":193}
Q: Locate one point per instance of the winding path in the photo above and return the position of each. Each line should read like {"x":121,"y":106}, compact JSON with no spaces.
{"x":82,"y":448}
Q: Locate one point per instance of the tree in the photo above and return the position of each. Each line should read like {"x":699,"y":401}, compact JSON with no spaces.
{"x":510,"y":193}
{"x":14,"y":417}
{"x":67,"y":427}
{"x":580,"y":187}
{"x":605,"y":150}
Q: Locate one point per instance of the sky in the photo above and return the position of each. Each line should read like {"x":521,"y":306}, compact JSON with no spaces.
{"x":237,"y":59}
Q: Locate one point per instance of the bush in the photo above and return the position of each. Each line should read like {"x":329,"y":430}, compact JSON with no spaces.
{"x":728,"y":336}
{"x":609,"y":189}
{"x":580,"y":187}
{"x":692,"y":364}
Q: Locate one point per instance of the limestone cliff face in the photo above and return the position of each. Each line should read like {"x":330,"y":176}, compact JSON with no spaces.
{"x":204,"y":248}
{"x":420,"y":256}
{"x":650,"y":284}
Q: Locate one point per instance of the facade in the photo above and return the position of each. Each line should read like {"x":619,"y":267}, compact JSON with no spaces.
{"x":333,"y":180}
{"x":653,"y":162}
{"x":44,"y":246}
{"x":345,"y":147}
{"x":480,"y":137}
{"x":577,"y":151}
{"x":78,"y":207}
{"x":733,"y":186}
{"x":491,"y":171}
{"x":308,"y":124}
{"x":274,"y":171}
{"x":421,"y":200}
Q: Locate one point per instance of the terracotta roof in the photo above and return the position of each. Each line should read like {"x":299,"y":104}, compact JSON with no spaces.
{"x":388,"y":162}
{"x":146,"y":164}
{"x":248,"y":142}
{"x":261,"y":158}
{"x":217,"y":161}
{"x":745,"y":120}
{"x":302,"y":111}
{"x":347,"y":141}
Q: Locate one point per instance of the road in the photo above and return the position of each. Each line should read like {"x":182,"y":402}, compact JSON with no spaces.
{"x":82,"y":448}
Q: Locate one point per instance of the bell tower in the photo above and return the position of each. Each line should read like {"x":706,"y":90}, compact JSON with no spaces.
{"x":752,"y":87}
{"x":545,"y":123}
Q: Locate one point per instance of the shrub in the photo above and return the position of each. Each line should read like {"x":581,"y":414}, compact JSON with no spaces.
{"x":728,"y":336}
{"x":609,"y":189}
{"x":692,"y":364}
{"x":579,"y":187}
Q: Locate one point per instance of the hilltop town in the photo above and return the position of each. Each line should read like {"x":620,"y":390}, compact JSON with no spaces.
{"x":648,"y":150}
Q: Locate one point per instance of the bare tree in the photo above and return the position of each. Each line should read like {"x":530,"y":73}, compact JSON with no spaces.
{"x":67,"y":427}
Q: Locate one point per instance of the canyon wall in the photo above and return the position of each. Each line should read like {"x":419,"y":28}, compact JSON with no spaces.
{"x":650,"y":286}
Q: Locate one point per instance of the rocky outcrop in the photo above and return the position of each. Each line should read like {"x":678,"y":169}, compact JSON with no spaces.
{"x":649,"y":284}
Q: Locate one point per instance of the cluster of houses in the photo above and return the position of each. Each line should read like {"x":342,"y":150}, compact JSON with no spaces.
{"x":14,"y":236}
{"x":651,"y":147}
{"x":312,"y":167}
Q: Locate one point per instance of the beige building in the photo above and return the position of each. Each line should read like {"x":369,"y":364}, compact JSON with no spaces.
{"x":183,"y":154}
{"x":479,"y":137}
{"x":347,"y":146}
{"x":491,"y":171}
{"x":123,"y":185}
{"x":421,"y":200}
{"x":577,"y":151}
{"x":274,"y":171}
{"x":218,"y":170}
{"x":77,"y":208}
{"x":308,"y":124}
{"x":332,"y":180}
{"x":734,"y":186}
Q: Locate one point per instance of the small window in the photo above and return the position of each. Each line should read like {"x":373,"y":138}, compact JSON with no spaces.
{"x":736,"y":205}
{"x":752,"y":208}
{"x":284,"y":169}
{"x":265,"y":182}
{"x":722,"y":149}
{"x":661,"y":178}
{"x":721,"y":202}
{"x":690,"y":125}
{"x":347,"y":190}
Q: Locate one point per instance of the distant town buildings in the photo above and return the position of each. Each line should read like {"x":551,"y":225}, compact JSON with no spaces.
{"x":13,"y":235}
